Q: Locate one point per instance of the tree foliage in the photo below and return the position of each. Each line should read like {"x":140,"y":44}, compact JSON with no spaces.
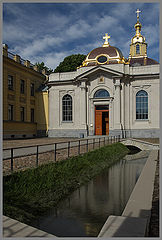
{"x":42,"y":66}
{"x":70,"y":63}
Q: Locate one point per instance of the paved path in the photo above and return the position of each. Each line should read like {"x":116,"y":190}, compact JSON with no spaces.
{"x":29,"y":146}
{"x":14,"y":228}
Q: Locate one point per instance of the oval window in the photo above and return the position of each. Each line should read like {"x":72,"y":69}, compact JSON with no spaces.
{"x":102,"y":59}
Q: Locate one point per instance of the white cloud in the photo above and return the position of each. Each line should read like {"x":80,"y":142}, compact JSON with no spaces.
{"x":151,"y":33}
{"x":37,"y":46}
{"x":51,"y":35}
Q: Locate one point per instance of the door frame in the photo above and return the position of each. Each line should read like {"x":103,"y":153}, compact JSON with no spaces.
{"x":106,"y":110}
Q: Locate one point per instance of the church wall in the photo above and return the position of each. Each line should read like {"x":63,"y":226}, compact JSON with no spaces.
{"x":75,"y":128}
{"x":142,"y":128}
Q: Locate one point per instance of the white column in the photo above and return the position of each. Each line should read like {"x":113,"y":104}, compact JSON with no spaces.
{"x":117,"y":104}
{"x":83,"y":104}
{"x":123,"y":106}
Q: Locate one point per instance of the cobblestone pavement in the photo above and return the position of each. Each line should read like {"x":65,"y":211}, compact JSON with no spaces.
{"x":154,"y":221}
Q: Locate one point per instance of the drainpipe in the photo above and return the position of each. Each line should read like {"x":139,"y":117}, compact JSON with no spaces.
{"x":86,"y":95}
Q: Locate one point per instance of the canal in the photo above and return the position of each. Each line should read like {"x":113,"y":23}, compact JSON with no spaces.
{"x":85,"y":211}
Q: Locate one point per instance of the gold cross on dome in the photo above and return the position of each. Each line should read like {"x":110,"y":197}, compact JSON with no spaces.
{"x":106,"y":37}
{"x":138,"y":11}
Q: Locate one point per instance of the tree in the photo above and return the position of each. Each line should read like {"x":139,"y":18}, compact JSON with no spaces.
{"x":41,"y":66}
{"x":70,"y":63}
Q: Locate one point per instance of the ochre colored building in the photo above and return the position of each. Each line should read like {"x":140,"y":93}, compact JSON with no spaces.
{"x":25,"y":101}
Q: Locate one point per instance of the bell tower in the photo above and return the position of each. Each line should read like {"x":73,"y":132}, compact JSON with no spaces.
{"x":138,"y":46}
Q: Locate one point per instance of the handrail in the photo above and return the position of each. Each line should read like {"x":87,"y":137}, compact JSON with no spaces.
{"x":68,"y":146}
{"x":54,"y":143}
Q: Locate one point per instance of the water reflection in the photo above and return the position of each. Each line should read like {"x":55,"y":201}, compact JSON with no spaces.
{"x":87,"y":209}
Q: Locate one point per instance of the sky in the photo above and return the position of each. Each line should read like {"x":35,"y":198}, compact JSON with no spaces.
{"x":48,"y":32}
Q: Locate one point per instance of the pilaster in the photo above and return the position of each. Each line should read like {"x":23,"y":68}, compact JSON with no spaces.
{"x":117,"y":104}
{"x":83,"y":103}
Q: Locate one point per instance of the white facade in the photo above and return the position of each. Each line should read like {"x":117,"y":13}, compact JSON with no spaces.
{"x":128,"y":103}
{"x":123,"y":82}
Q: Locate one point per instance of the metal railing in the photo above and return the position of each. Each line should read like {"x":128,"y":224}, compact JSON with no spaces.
{"x":22,"y":61}
{"x":11,"y":55}
{"x":68,"y":149}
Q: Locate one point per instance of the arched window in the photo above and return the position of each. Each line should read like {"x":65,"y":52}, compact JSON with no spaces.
{"x":101,"y":93}
{"x":67,"y":108}
{"x":137,"y":49}
{"x":142,"y":105}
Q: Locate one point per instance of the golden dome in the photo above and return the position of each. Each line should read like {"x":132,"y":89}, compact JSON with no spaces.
{"x":104,"y":55}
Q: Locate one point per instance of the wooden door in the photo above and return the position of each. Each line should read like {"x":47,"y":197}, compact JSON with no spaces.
{"x":102,"y":120}
{"x":107,"y":124}
{"x":98,"y":122}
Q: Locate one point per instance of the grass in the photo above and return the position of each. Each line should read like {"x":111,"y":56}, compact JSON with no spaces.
{"x":30,"y":193}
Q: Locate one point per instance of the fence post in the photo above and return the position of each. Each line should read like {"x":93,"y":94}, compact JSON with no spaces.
{"x":87,"y":145}
{"x":37,"y":156}
{"x":55,"y":152}
{"x":99,"y":142}
{"x":68,"y":149}
{"x":11,"y":159}
{"x":93,"y":142}
{"x":79,"y":148}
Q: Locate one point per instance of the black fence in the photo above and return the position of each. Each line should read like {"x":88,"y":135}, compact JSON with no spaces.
{"x":68,"y":149}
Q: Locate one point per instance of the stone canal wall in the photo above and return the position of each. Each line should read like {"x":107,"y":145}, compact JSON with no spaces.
{"x":135,"y":218}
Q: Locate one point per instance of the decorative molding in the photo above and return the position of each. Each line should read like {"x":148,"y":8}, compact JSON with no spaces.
{"x":32,"y":102}
{"x":64,"y":92}
{"x":141,"y":87}
{"x":101,"y":80}
{"x":11,"y":97}
{"x":22,"y":99}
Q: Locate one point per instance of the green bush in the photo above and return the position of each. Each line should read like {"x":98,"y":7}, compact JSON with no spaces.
{"x":29,"y":193}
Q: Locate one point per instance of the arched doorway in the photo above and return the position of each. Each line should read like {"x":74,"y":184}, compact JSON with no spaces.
{"x":102,"y":113}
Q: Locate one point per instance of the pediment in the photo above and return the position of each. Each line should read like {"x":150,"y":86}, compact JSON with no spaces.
{"x":99,"y":70}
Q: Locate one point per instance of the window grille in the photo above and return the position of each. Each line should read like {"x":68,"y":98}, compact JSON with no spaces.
{"x":137,"y":49}
{"x":101,"y":93}
{"x":10,"y":82}
{"x":10,"y":112}
{"x":22,"y":86}
{"x":32,"y":89}
{"x":22,"y":114}
{"x":67,"y":108}
{"x":32,"y":115}
{"x":142,"y":105}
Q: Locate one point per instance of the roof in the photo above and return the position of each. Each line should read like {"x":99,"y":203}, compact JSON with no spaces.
{"x":134,"y":62}
{"x":110,"y":51}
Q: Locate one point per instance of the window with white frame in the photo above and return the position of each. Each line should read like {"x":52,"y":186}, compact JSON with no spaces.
{"x":142,"y":105}
{"x":67,"y":108}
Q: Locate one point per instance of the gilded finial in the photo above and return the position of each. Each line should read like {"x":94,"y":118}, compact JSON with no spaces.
{"x":106,"y":37}
{"x":138,"y":11}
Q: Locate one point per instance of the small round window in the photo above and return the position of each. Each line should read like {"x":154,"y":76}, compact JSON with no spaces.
{"x":102,"y":59}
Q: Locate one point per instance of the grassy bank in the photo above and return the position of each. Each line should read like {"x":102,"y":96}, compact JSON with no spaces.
{"x":29,"y":193}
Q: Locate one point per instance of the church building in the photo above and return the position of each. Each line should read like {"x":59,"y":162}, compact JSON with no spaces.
{"x":108,"y":94}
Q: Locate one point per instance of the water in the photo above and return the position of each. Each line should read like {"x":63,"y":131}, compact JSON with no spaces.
{"x":85,"y":211}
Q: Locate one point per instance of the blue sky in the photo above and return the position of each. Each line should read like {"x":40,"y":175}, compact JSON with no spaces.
{"x":49,"y":32}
